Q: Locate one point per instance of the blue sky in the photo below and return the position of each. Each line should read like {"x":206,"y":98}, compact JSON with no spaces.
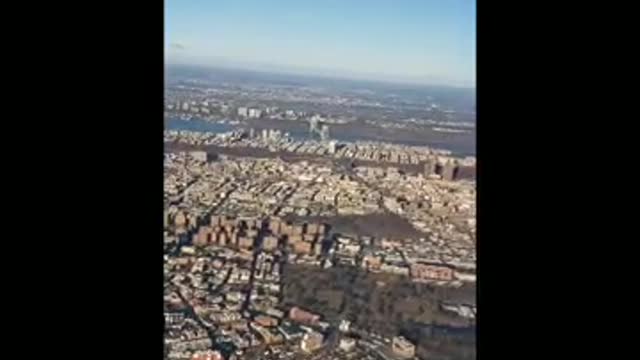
{"x":429,"y":41}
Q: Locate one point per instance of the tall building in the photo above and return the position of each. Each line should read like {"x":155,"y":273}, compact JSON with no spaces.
{"x":270,"y":243}
{"x":255,"y":113}
{"x":449,"y":171}
{"x":202,"y":237}
{"x":274,"y":225}
{"x":273,"y":134}
{"x":344,"y":325}
{"x":429,"y":167}
{"x":317,"y":248}
{"x":180,"y":219}
{"x":332,"y":147}
{"x":324,"y":132}
{"x":439,"y":168}
{"x":192,"y":220}
{"x":242,"y":111}
{"x":313,"y":125}
{"x":456,"y":172}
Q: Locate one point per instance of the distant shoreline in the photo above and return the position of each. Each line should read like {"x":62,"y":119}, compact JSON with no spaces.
{"x":460,"y":144}
{"x":323,"y":74}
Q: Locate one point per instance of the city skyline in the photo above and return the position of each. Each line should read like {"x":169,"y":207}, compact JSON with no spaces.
{"x":421,"y":42}
{"x":319,"y":180}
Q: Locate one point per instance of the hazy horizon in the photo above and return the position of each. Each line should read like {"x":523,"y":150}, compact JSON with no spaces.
{"x":314,"y":73}
{"x":419,"y":42}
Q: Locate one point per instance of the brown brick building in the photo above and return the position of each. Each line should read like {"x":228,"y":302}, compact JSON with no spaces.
{"x":431,"y":272}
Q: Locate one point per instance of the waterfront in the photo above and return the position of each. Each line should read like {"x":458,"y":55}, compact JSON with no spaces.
{"x":341,"y":133}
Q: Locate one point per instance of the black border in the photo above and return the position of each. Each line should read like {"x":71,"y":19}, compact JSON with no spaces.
{"x":90,"y":87}
{"x":88,"y":168}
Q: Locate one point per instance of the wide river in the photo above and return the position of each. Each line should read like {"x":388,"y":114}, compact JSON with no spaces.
{"x":198,"y":125}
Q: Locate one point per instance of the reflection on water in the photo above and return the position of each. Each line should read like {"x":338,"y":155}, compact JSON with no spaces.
{"x":197,"y":125}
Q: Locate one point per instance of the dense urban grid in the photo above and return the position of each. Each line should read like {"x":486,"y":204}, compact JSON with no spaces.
{"x":284,"y":247}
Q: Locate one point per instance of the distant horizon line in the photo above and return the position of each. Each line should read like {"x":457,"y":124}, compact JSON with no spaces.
{"x":321,"y":73}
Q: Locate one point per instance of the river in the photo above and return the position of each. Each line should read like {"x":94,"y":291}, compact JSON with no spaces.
{"x":299,"y":132}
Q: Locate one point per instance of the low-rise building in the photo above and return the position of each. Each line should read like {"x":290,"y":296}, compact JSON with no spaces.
{"x":311,"y":341}
{"x":302,"y":316}
{"x":431,"y":272}
{"x":403,"y":348}
{"x":347,"y":344}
